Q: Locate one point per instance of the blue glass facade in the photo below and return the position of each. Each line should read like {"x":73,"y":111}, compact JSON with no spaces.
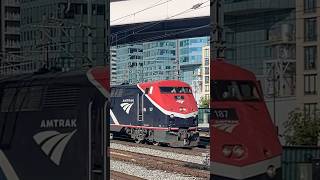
{"x":129,"y":63}
{"x":190,"y":59}
{"x":160,"y":60}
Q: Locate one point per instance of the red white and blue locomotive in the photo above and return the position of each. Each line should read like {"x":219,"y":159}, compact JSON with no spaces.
{"x":157,"y":112}
{"x":243,"y":138}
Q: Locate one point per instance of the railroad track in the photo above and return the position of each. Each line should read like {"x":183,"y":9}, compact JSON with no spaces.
{"x":160,"y":163}
{"x":187,"y":151}
{"x":115,"y":175}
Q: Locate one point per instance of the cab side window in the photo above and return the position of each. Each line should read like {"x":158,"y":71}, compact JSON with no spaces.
{"x":147,"y":91}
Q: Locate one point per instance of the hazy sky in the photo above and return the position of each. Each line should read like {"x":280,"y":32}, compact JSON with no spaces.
{"x":127,"y":12}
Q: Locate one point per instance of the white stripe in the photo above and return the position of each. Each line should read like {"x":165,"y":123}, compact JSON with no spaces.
{"x":169,"y":112}
{"x":49,"y":145}
{"x":243,"y":172}
{"x":6,"y":167}
{"x":129,"y":107}
{"x":151,"y":89}
{"x":97,"y":85}
{"x":113,"y":117}
{"x":59,"y":149}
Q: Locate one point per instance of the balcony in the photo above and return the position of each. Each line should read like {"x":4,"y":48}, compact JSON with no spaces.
{"x":11,"y":3}
{"x":9,"y":69}
{"x":12,"y":30}
{"x":237,"y":7}
{"x":12,"y":44}
{"x":10,"y":16}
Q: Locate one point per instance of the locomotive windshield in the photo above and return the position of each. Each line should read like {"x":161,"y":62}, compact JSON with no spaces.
{"x":234,"y":91}
{"x":175,"y":90}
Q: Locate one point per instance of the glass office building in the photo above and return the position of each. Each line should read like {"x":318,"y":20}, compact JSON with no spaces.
{"x":129,"y":64}
{"x":160,"y":60}
{"x":190,"y":62}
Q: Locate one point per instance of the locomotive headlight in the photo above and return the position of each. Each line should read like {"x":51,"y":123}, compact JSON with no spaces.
{"x":271,"y":171}
{"x":227,"y":151}
{"x":182,"y":109}
{"x":238,"y":151}
{"x":171,"y":116}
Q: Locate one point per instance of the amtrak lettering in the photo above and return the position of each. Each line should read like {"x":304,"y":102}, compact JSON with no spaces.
{"x":128,"y":100}
{"x":59,"y":123}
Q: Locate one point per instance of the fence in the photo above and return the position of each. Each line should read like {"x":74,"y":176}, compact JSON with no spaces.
{"x":297,"y":162}
{"x":203,"y":116}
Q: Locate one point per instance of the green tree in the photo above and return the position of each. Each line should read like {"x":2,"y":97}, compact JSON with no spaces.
{"x":204,"y":102}
{"x":302,"y":129}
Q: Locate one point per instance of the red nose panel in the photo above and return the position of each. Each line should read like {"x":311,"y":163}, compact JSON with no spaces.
{"x":100,"y":78}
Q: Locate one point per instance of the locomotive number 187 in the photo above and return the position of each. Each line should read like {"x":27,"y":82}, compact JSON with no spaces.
{"x":224,"y":114}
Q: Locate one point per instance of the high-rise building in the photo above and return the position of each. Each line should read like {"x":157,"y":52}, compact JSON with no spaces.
{"x":205,"y":72}
{"x":260,"y":36}
{"x":113,"y":66}
{"x":160,"y":60}
{"x":308,"y":48}
{"x":10,"y":25}
{"x":129,"y":63}
{"x":190,"y":61}
{"x":9,"y":35}
{"x":59,"y":34}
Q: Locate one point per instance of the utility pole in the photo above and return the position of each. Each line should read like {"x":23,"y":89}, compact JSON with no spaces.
{"x":107,"y":33}
{"x":274,"y":93}
{"x":90,"y":31}
{"x":217,"y":16}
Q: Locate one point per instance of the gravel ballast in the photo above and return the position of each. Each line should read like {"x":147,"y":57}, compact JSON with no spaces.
{"x":145,"y":173}
{"x":160,"y":153}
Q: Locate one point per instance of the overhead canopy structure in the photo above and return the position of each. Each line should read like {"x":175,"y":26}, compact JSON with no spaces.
{"x":134,"y":21}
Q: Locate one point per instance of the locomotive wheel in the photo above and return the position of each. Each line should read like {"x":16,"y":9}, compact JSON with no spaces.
{"x":138,"y":136}
{"x":138,"y":141}
{"x":156,"y":143}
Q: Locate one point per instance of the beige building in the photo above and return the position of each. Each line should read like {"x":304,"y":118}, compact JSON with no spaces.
{"x":9,"y":34}
{"x":205,"y":75}
{"x":10,"y":25}
{"x":308,"y":61}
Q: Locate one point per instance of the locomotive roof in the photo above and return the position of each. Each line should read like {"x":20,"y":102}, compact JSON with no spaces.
{"x":221,"y":70}
{"x":71,"y":77}
{"x":166,"y":83}
{"x":159,"y":82}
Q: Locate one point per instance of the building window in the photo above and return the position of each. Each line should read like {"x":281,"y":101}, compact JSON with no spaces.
{"x":310,"y":56}
{"x":310,"y":85}
{"x":310,"y":6}
{"x":310,"y":110}
{"x":207,"y":88}
{"x":206,"y":63}
{"x":207,"y":80}
{"x":206,"y":71}
{"x":206,"y":53}
{"x":310,"y":29}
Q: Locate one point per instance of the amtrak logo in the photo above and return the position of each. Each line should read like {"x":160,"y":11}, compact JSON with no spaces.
{"x":226,"y":125}
{"x":53,"y":143}
{"x":126,"y":107}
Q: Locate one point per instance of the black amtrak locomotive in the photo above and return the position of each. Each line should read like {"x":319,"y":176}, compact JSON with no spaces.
{"x":155,"y":112}
{"x":52,"y":125}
